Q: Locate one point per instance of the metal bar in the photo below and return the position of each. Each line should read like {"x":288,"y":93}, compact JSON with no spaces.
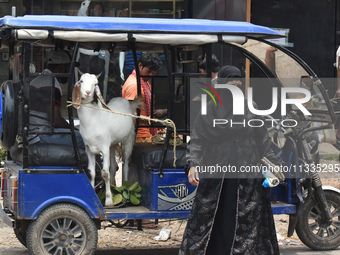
{"x":170,"y":110}
{"x":139,"y":89}
{"x":308,"y":70}
{"x":208,"y":59}
{"x":70,"y":109}
{"x":187,"y":102}
{"x":53,"y":100}
{"x":26,"y":91}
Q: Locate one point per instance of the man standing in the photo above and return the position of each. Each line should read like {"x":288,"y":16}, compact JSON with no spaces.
{"x":148,"y":65}
{"x":215,"y":66}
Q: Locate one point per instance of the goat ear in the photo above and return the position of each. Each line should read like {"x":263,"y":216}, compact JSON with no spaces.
{"x":99,"y":95}
{"x":76,"y":95}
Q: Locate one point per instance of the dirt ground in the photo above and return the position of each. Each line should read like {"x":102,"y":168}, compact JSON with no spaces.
{"x":129,"y":237}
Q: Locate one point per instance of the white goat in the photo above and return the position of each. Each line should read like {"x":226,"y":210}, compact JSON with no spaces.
{"x":102,"y":131}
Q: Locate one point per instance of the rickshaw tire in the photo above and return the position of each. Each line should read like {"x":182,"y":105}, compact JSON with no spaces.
{"x":304,"y":231}
{"x":55,"y":215}
{"x":10,"y":106}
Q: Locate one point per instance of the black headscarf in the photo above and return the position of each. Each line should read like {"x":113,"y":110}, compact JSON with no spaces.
{"x":229,"y":72}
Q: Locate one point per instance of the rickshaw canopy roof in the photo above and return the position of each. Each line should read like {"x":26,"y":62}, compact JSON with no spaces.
{"x":92,"y":29}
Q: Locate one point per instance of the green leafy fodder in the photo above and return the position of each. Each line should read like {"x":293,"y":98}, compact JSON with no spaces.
{"x":126,"y":194}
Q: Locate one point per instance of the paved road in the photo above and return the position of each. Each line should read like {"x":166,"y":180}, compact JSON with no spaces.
{"x":284,"y":250}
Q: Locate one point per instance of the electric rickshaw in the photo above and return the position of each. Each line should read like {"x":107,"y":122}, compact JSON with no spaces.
{"x":46,"y":195}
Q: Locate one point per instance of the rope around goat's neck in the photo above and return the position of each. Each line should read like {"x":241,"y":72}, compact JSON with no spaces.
{"x":166,"y":122}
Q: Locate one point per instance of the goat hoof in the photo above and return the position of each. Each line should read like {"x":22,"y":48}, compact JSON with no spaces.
{"x":108,"y":202}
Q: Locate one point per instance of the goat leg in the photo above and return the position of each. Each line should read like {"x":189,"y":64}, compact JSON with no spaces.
{"x":113,"y":165}
{"x":91,"y":165}
{"x":127,"y":148}
{"x":106,"y":177}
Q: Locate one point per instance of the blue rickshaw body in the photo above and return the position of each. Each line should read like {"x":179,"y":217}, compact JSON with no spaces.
{"x":47,"y":186}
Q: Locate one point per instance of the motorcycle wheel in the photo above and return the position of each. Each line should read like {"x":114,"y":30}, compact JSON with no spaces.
{"x":312,"y":228}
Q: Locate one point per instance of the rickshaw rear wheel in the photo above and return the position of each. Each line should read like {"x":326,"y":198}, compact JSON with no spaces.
{"x":62,"y":229}
{"x":312,"y":228}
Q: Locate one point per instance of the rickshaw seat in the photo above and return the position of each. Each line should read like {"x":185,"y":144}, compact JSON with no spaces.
{"x":148,"y":156}
{"x":46,"y":154}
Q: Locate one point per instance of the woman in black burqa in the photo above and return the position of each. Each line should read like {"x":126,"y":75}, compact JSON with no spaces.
{"x":231,"y":214}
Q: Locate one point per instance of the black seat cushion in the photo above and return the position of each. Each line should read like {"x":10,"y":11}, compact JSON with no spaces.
{"x":148,"y":156}
{"x":46,"y":154}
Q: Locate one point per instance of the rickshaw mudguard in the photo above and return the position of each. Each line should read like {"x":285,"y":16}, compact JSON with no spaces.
{"x":292,"y":224}
{"x":330,"y":188}
{"x":37,"y":191}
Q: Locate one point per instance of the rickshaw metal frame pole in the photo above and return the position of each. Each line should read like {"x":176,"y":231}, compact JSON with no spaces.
{"x":293,"y":217}
{"x":166,"y":50}
{"x":263,"y":67}
{"x":70,"y":109}
{"x":305,"y":66}
{"x":26,"y":47}
{"x":208,"y":57}
{"x":132,"y":46}
{"x":170,"y":110}
{"x":187,"y":103}
{"x":186,"y":87}
{"x":11,"y":54}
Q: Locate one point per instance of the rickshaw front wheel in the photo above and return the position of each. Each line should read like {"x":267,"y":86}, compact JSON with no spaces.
{"x":313,"y":230}
{"x":62,"y":229}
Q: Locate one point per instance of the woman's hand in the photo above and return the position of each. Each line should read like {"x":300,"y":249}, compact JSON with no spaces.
{"x":160,"y":113}
{"x":193,"y":176}
{"x":338,"y":92}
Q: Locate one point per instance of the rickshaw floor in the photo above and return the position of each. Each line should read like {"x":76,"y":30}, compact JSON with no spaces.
{"x":127,"y":209}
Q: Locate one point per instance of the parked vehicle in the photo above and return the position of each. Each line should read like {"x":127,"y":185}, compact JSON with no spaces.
{"x":47,"y":197}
